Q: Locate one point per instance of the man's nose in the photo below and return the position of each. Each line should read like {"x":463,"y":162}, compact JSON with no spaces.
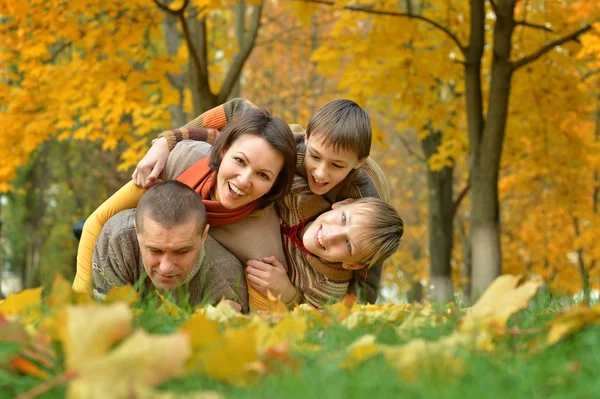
{"x":166,"y":265}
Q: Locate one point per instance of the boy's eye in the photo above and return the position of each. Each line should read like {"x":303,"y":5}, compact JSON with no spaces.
{"x":338,"y":166}
{"x":349,"y":247}
{"x":313,"y":156}
{"x":343,"y":220}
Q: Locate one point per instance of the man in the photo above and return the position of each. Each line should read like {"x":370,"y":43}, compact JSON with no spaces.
{"x":166,"y":240}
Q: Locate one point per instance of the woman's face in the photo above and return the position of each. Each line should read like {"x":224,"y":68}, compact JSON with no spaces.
{"x":248,"y":171}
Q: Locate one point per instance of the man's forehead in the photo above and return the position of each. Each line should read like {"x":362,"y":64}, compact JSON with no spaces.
{"x":157,"y":234}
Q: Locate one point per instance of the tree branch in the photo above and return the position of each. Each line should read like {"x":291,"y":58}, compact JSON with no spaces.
{"x":535,"y":26}
{"x":166,"y":9}
{"x":364,"y":9}
{"x":461,"y":196}
{"x":494,"y":6}
{"x":410,"y":150}
{"x":240,"y":59}
{"x":534,"y":56}
{"x":191,"y":49}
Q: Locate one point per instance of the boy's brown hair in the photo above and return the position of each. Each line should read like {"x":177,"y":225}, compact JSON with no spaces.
{"x":342,"y":124}
{"x":380,"y":236}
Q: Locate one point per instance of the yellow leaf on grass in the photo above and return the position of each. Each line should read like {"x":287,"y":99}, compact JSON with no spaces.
{"x":504,"y":297}
{"x":202,"y":331}
{"x":359,"y":352}
{"x":141,"y":361}
{"x":369,"y":314}
{"x":230,"y":359}
{"x":61,"y":293}
{"x":290,"y":330}
{"x":125,"y":293}
{"x":221,"y":313}
{"x":19,"y":304}
{"x":416,"y":357}
{"x":92,"y":330}
{"x":571,"y":321}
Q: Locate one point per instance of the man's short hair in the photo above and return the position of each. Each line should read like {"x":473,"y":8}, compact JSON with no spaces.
{"x":171,"y":204}
{"x":342,"y":124}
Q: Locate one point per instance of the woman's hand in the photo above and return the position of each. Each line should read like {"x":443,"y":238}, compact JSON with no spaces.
{"x":150,"y":167}
{"x":270,"y":275}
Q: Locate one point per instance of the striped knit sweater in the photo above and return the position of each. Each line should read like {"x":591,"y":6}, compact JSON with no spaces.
{"x":302,"y":205}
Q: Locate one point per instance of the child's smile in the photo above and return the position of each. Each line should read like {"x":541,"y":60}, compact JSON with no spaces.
{"x":327,"y":165}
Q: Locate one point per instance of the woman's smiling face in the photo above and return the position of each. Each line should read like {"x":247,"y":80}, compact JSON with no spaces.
{"x":248,"y":170}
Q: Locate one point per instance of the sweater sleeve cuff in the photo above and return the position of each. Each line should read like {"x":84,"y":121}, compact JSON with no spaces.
{"x":295,"y":301}
{"x":170,"y":137}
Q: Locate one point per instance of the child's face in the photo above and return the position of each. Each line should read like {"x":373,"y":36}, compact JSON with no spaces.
{"x":325,"y":166}
{"x":333,"y":236}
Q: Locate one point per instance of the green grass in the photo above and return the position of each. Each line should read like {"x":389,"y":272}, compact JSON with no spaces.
{"x":513,"y":370}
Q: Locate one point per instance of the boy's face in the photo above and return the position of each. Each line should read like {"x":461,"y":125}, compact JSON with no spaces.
{"x":333,"y":236}
{"x":326,"y":166}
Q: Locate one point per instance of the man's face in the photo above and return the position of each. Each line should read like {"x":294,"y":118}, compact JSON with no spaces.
{"x":326,"y":166}
{"x":169,"y":255}
{"x":333,"y":236}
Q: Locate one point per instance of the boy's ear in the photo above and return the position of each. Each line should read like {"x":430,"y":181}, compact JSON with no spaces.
{"x":342,"y":203}
{"x":351,"y":266}
{"x":360,"y":163}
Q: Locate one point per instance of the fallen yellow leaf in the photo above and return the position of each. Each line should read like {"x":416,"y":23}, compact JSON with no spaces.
{"x":138,"y":363}
{"x":570,"y":321}
{"x":24,"y":301}
{"x":359,"y":352}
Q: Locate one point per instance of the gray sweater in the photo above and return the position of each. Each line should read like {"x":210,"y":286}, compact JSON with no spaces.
{"x":116,"y":261}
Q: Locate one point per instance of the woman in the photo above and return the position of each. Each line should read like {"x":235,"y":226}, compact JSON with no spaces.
{"x":251,"y":164}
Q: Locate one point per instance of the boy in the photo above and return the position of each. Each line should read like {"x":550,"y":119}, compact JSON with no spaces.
{"x":332,"y":160}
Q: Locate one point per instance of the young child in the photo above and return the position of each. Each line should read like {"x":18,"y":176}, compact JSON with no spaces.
{"x":332,"y":165}
{"x":322,"y":253}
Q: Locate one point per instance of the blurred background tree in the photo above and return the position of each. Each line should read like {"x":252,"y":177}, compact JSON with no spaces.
{"x":486,"y":117}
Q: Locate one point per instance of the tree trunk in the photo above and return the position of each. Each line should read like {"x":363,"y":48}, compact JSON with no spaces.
{"x":440,"y":224}
{"x":173,"y":41}
{"x":485,"y":167}
{"x":240,"y":31}
{"x":467,"y":263}
{"x":38,"y":178}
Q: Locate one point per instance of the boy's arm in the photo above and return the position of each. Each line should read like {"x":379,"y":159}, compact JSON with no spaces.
{"x":126,"y":198}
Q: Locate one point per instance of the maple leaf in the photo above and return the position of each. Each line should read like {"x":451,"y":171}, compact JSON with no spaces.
{"x":359,"y":352}
{"x":19,"y":304}
{"x":571,"y":321}
{"x":132,"y":368}
{"x":230,"y":359}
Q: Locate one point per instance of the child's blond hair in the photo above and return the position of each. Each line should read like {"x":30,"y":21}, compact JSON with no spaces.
{"x":380,"y":234}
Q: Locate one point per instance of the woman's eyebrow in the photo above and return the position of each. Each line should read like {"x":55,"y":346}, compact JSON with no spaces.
{"x":248,"y":161}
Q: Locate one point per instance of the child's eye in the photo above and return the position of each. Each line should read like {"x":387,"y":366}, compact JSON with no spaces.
{"x":313,"y":156}
{"x":338,"y":166}
{"x":343,"y":220}
{"x":349,"y":246}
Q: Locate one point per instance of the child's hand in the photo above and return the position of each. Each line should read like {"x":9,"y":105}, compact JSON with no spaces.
{"x":270,"y":275}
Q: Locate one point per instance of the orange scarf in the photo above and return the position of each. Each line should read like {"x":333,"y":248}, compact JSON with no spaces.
{"x":203,"y":179}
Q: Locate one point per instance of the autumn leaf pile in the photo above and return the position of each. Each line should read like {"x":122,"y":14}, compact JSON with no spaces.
{"x":113,"y":350}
